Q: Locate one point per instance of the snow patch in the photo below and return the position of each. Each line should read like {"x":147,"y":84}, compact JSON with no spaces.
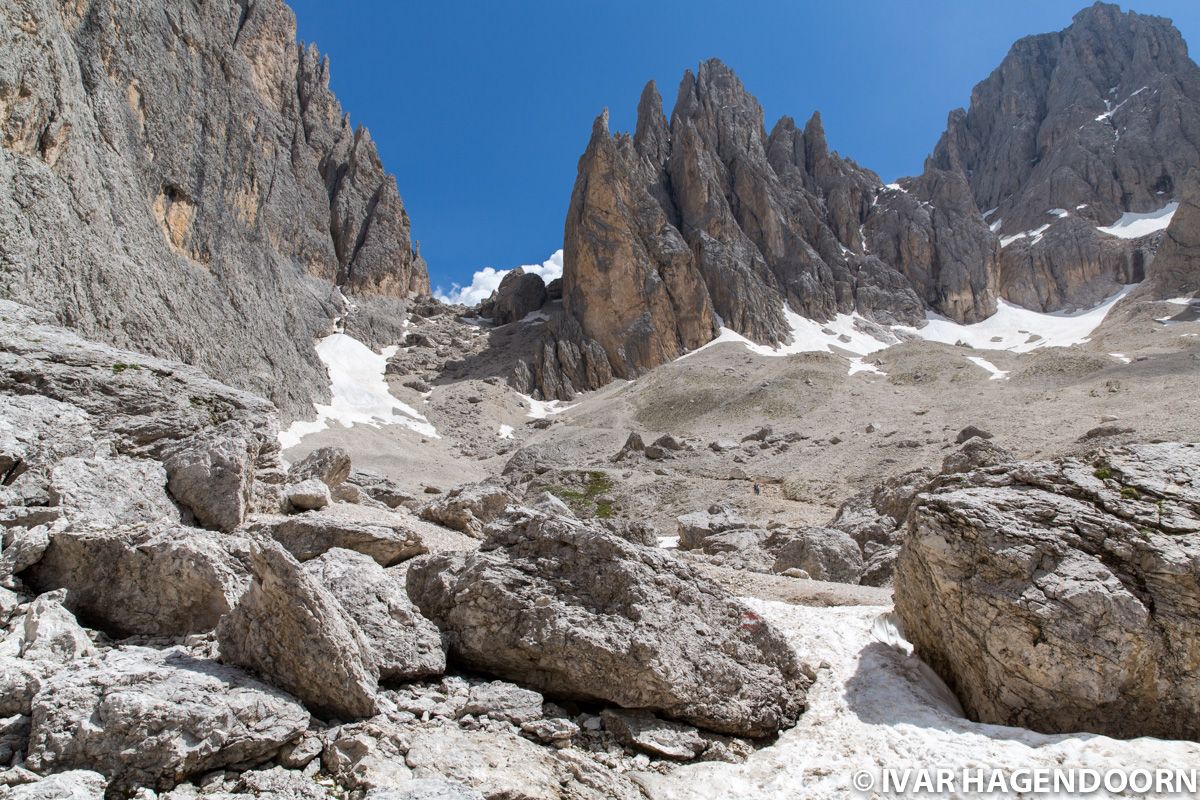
{"x":1134,"y":226}
{"x":1059,"y":212}
{"x":359,"y":392}
{"x":1019,"y":329}
{"x":1124,"y":359}
{"x":540,"y":409}
{"x":1034,"y":236}
{"x":878,"y":705}
{"x":860,"y":365}
{"x":506,"y":432}
{"x":668,"y":542}
{"x":997,"y":373}
{"x":487,"y":280}
{"x":1110,"y":109}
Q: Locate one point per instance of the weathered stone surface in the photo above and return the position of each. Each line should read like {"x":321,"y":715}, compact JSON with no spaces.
{"x":76,"y":784}
{"x":366,"y":755}
{"x":470,"y":508}
{"x":165,"y":716}
{"x":308,"y":495}
{"x":506,"y":765}
{"x":153,"y":580}
{"x":108,"y":492}
{"x":200,"y":203}
{"x":52,"y":634}
{"x":1063,"y":595}
{"x":19,"y":681}
{"x":556,"y":604}
{"x":331,"y":465}
{"x":642,"y":730}
{"x":289,"y":629}
{"x":826,"y":554}
{"x":383,"y":535}
{"x":425,"y":789}
{"x":379,"y":488}
{"x":218,"y":446}
{"x":21,"y":548}
{"x":404,"y":645}
{"x":504,"y":701}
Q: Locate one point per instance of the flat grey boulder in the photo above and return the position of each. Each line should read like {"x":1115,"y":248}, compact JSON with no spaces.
{"x":383,"y":535}
{"x":404,"y":644}
{"x":576,"y":612}
{"x":290,"y":630}
{"x":470,"y":508}
{"x":153,"y":718}
{"x":640,"y":729}
{"x":503,"y":701}
{"x":307,"y":495}
{"x":21,"y":548}
{"x":149,"y":579}
{"x":1062,"y":595}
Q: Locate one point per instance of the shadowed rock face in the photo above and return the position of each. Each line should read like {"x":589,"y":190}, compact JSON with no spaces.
{"x":1096,"y":120}
{"x":179,"y":180}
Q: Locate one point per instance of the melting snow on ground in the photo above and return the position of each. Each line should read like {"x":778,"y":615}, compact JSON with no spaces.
{"x":1124,"y":359}
{"x":506,"y":432}
{"x":1019,"y":329}
{"x":1133,"y":226}
{"x":360,"y":392}
{"x":1010,"y":328}
{"x":809,"y":336}
{"x":668,"y":542}
{"x":877,"y":705}
{"x":996,"y":373}
{"x":540,"y":409}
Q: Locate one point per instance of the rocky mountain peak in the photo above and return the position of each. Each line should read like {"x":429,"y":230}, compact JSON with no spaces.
{"x":652,"y":137}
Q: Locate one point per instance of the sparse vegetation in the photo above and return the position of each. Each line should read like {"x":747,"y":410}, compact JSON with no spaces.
{"x":585,"y":499}
{"x":1103,"y":473}
{"x":1130,"y":493}
{"x":119,"y":367}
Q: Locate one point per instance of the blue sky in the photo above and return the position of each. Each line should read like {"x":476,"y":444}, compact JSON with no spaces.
{"x":481,"y":109}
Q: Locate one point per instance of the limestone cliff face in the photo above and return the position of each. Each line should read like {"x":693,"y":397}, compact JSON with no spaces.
{"x":1070,"y":131}
{"x":710,"y":219}
{"x":177,"y":178}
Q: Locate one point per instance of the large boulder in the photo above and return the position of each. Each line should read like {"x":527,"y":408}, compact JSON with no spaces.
{"x":212,"y":475}
{"x":520,"y":293}
{"x":290,"y":630}
{"x":403,"y":643}
{"x":1063,"y":595}
{"x":52,"y":634}
{"x":145,"y":579}
{"x":76,"y":784}
{"x":330,"y":465}
{"x":384,"y":535}
{"x":577,"y":612}
{"x":152,"y":718}
{"x":102,"y":492}
{"x":826,"y":554}
{"x":469,"y":508}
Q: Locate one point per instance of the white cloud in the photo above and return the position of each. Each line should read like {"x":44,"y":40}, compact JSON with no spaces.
{"x":486,"y":280}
